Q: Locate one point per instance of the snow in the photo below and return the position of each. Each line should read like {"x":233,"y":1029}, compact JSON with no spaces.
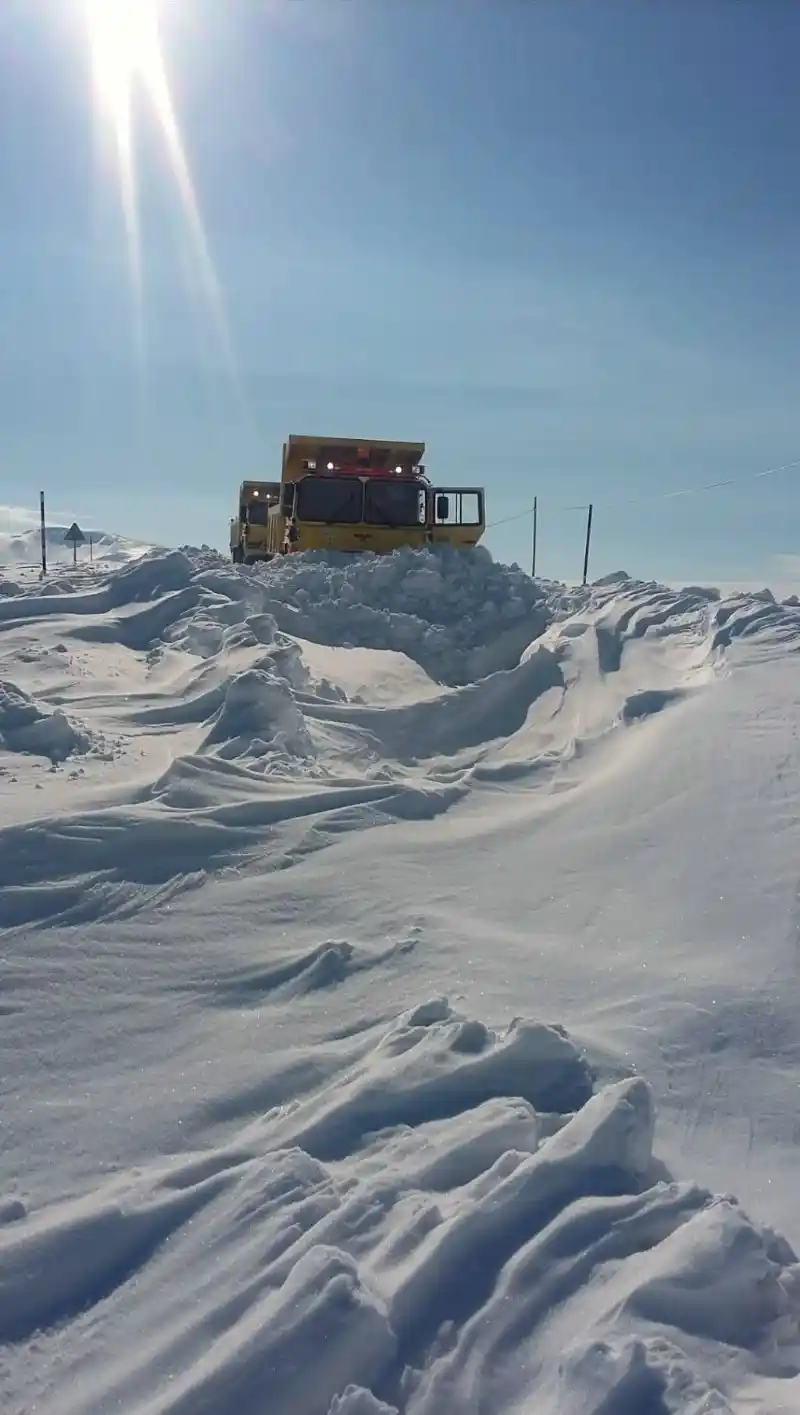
{"x":458,"y":620}
{"x":399,"y":991}
{"x":22,"y":549}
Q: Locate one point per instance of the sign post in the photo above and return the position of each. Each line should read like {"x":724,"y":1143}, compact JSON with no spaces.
{"x":74,"y":537}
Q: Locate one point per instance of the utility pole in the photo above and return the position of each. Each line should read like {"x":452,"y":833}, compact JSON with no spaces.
{"x":43,"y":535}
{"x":588,"y":543}
{"x":535,"y":532}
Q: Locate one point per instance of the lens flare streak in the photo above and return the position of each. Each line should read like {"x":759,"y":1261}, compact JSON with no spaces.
{"x":127,"y":57}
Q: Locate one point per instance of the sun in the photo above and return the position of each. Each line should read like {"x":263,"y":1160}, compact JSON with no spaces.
{"x":128,"y":63}
{"x":126,"y":50}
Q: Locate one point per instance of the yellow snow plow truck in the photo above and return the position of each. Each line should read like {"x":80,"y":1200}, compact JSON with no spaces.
{"x":344,"y":493}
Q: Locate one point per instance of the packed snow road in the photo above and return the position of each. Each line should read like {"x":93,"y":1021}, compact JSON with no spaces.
{"x":399,"y":961}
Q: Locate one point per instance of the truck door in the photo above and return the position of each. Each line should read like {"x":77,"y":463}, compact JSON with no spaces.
{"x":457,"y":515}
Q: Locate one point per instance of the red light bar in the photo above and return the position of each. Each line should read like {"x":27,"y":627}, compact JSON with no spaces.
{"x":348,"y":469}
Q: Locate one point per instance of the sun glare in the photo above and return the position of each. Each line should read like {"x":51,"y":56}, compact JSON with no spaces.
{"x":128,"y":62}
{"x":125,"y":43}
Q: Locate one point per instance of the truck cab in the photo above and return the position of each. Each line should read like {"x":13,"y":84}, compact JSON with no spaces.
{"x":355,"y":494}
{"x":250,"y":539}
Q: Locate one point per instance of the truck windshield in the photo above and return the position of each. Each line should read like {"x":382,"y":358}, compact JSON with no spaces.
{"x":329,"y":499}
{"x":257,"y":513}
{"x":393,"y":503}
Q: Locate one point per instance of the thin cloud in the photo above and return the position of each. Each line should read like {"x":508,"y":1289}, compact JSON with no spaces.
{"x":15,"y":519}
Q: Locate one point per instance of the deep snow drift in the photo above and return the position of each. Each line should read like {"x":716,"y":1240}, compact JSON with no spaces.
{"x":461,"y":617}
{"x":400,"y":992}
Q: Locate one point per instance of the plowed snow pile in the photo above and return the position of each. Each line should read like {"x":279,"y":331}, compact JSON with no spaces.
{"x":460,"y":616}
{"x":399,"y":1010}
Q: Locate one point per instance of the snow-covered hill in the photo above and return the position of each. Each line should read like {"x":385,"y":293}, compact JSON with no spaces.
{"x":400,"y":993}
{"x":23,"y":549}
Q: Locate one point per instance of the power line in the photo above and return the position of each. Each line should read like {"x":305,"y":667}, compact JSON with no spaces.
{"x":661,"y":495}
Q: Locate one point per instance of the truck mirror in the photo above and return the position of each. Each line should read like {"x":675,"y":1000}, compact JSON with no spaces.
{"x":442,"y":508}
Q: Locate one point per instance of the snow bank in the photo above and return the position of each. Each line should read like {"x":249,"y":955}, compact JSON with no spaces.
{"x":457,"y":1223}
{"x":259,"y":718}
{"x":458,"y":613}
{"x":27,"y":727}
{"x":147,"y":579}
{"x":255,"y":707}
{"x":389,"y":1207}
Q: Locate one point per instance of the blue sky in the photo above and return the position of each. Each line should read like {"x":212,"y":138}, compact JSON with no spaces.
{"x":555,"y":238}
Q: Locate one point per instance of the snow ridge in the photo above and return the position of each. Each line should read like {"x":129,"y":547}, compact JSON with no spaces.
{"x":440,"y":1240}
{"x":288,"y":1124}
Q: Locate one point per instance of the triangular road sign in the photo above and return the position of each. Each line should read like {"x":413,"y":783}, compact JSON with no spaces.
{"x":75,"y":535}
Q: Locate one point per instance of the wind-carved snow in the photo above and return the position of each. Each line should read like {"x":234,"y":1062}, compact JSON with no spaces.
{"x":253,"y":1160}
{"x":455,"y":1224}
{"x":25,"y":727}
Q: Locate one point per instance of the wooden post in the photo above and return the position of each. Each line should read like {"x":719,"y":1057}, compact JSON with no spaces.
{"x":43,"y":534}
{"x":588,"y":543}
{"x":535,"y":531}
